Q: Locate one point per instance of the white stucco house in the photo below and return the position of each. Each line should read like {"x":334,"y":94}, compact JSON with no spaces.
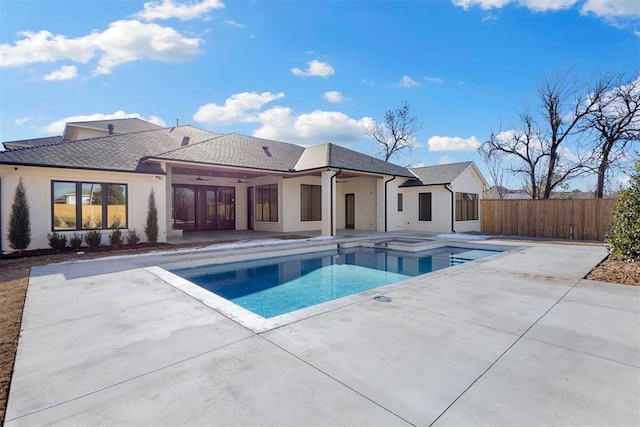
{"x":208,"y":181}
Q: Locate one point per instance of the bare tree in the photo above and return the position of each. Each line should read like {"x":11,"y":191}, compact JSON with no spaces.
{"x":564,"y":107}
{"x":541,"y":148}
{"x":615,"y":123}
{"x":398,"y":131}
{"x":525,"y":146}
{"x":497,"y":173}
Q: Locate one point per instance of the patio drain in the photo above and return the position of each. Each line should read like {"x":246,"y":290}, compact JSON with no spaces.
{"x":381,"y":298}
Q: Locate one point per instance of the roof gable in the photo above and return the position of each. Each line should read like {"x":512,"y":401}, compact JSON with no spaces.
{"x":120,"y":127}
{"x":437,"y":175}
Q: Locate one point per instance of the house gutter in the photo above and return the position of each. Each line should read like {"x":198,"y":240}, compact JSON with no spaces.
{"x":333,"y":177}
{"x":385,"y":202}
{"x":446,"y":186}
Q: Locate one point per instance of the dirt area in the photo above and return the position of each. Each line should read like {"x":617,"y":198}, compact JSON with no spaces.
{"x":617,"y":271}
{"x":14,"y":278}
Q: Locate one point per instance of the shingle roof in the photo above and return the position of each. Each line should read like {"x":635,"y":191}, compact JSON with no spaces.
{"x":137,"y":151}
{"x":114,"y":152}
{"x":12,"y":145}
{"x":240,"y":150}
{"x":121,"y":126}
{"x":335,"y":156}
{"x":439,"y":174}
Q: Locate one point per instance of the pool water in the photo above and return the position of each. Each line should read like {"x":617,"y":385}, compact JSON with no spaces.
{"x":274,"y":286}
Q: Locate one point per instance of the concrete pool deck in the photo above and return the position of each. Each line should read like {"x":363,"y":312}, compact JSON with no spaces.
{"x":516,"y":339}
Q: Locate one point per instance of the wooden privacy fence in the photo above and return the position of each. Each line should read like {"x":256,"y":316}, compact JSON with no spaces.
{"x":580,"y":219}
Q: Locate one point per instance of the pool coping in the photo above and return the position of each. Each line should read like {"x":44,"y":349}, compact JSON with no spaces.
{"x":259,"y":324}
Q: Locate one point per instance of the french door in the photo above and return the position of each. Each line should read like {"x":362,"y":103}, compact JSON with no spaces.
{"x":199,"y":207}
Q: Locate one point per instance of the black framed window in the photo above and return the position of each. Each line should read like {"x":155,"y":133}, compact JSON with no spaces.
{"x":310,"y":202}
{"x":424,"y":206}
{"x":88,"y":205}
{"x":267,"y":202}
{"x":466,"y":207}
{"x":400,"y":202}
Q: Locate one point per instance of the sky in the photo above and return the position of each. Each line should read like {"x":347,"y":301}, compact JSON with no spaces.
{"x":307,"y":71}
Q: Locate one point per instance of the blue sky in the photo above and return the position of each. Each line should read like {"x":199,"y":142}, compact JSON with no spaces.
{"x":306,"y":72}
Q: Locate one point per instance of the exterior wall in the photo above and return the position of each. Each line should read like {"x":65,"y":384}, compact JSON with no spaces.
{"x":366,"y":198}
{"x":81,"y":133}
{"x":468,"y":182}
{"x":291,"y":196}
{"x":37,"y":182}
{"x":395,"y":220}
{"x":440,"y":209}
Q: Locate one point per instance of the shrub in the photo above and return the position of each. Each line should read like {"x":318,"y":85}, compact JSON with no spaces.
{"x":151,"y":227}
{"x":115,"y":238}
{"x":75,"y":241}
{"x":624,"y":240}
{"x":132,"y":237}
{"x":19,"y":220}
{"x":93,"y":238}
{"x":57,"y":241}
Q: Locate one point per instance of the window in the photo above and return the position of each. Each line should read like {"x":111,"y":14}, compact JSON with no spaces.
{"x":82,"y":205}
{"x":466,"y":207}
{"x":400,"y":202}
{"x":310,"y":202}
{"x":267,"y":203}
{"x":424,"y":207}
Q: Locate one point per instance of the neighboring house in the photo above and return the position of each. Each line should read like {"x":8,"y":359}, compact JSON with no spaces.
{"x":208,"y":181}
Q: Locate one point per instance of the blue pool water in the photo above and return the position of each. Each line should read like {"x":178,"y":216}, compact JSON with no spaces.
{"x":273,"y":286}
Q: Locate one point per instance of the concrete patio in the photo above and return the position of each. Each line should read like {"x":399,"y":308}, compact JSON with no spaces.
{"x":516,"y":339}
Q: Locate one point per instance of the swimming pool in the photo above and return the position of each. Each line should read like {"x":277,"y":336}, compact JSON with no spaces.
{"x":273,"y":286}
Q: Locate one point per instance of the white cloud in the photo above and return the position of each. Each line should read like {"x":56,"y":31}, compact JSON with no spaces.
{"x":484,"y":4}
{"x":547,"y":5}
{"x":445,"y":160}
{"x":407,"y":82}
{"x":240,"y":107}
{"x":57,"y":127}
{"x":43,"y":46}
{"x":122,"y":42}
{"x":66,"y":72}
{"x":126,"y":41}
{"x":621,"y":13}
{"x":22,"y":120}
{"x":233,"y":23}
{"x":436,"y":80}
{"x":334,"y":96}
{"x":453,"y":143}
{"x":317,"y":127}
{"x":316,"y":68}
{"x":623,"y":180}
{"x":167,"y":9}
{"x":281,"y":123}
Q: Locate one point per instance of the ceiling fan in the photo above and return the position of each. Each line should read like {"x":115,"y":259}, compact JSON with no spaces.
{"x":199,"y":178}
{"x":242,"y":180}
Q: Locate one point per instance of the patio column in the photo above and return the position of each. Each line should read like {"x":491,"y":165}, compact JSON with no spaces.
{"x":328,"y":203}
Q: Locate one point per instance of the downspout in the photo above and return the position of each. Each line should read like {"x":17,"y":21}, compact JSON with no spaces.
{"x":331,"y":197}
{"x":385,"y":202}
{"x":446,"y":186}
